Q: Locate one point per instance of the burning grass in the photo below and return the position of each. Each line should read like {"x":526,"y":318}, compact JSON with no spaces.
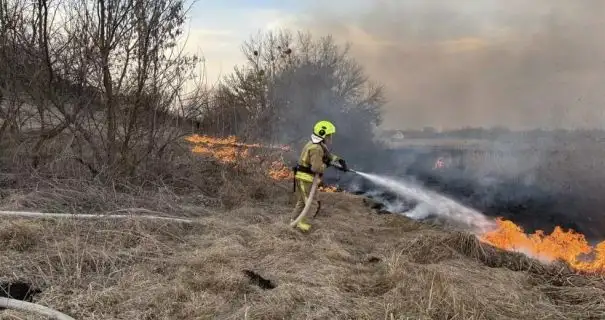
{"x":560,"y":245}
{"x":567,"y":246}
{"x":352,"y":265}
{"x":230,"y":151}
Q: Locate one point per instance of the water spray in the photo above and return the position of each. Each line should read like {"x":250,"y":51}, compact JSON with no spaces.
{"x":432,"y":203}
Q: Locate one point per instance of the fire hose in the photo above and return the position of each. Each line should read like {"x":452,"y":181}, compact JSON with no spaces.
{"x":308,"y":202}
{"x":88,"y":216}
{"x":314,"y":186}
{"x":34,"y":308}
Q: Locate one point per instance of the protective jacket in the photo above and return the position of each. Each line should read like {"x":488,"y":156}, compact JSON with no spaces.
{"x":314,"y":158}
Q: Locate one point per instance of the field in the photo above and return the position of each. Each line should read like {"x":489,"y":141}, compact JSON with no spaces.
{"x":353,"y":265}
{"x":102,"y":112}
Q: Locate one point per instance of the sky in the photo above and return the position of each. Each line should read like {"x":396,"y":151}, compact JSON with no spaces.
{"x":447,"y":64}
{"x":218,"y":28}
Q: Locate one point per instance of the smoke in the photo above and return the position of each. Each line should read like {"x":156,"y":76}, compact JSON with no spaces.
{"x":431,"y":203}
{"x":519,"y":64}
{"x":489,"y":184}
{"x":516,"y":64}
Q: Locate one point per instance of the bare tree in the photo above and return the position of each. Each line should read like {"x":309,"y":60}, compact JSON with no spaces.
{"x":107,"y":73}
{"x":10,"y":102}
{"x":292,"y":80}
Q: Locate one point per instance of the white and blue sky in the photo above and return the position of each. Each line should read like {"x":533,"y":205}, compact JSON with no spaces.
{"x":218,"y":28}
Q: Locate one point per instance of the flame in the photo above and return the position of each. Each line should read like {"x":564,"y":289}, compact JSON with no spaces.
{"x":568,"y":246}
{"x":229,"y":150}
{"x":278,"y":171}
{"x":226,"y":150}
{"x":230,"y":142}
{"x":328,"y":189}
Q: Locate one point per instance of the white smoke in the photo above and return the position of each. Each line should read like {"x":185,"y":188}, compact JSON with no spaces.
{"x":430,"y":203}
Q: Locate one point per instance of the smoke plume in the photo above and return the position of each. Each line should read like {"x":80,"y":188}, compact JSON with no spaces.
{"x":515,"y":63}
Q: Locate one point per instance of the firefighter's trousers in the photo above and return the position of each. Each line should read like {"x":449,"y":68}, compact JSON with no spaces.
{"x":302,"y":193}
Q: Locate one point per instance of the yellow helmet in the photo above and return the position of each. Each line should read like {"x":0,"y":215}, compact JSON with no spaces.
{"x":324,"y":128}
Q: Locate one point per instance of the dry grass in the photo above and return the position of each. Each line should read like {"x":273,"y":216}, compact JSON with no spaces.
{"x":353,"y":265}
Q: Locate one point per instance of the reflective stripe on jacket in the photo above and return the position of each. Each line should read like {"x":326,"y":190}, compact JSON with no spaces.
{"x":316,"y":157}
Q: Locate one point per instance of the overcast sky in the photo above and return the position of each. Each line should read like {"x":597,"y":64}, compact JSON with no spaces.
{"x":515,"y":63}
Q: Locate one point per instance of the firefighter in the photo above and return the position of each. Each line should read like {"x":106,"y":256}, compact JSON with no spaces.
{"x":314,"y":159}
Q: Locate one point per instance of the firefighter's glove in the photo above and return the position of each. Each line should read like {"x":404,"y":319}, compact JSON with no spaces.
{"x":343,"y":165}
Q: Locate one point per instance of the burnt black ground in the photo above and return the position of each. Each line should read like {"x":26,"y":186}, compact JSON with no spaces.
{"x":258,"y":280}
{"x":18,"y":290}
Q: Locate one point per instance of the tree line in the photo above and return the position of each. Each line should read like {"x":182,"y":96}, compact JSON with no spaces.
{"x":105,"y":85}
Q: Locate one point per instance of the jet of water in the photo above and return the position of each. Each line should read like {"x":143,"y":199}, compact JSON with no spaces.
{"x":431,"y":202}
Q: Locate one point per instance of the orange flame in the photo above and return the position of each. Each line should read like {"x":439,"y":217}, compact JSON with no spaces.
{"x":230,"y":141}
{"x":567,"y":246}
{"x":226,"y":150}
{"x":229,"y":150}
{"x":328,"y":189}
{"x":278,"y":171}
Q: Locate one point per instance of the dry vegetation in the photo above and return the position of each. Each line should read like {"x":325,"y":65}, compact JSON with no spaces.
{"x":93,"y":112}
{"x":354,"y":265}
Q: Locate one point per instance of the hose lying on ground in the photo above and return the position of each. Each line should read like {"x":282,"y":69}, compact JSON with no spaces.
{"x":89,"y":216}
{"x":34,"y":308}
{"x":308,"y":203}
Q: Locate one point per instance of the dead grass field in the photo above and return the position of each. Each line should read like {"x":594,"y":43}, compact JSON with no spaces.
{"x":353,"y":265}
